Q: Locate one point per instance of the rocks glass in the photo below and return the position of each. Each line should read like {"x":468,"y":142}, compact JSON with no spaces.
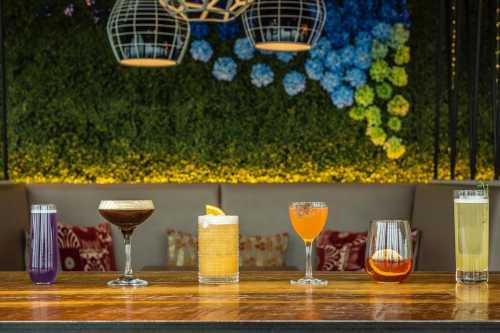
{"x":127,"y":215}
{"x":389,"y":255}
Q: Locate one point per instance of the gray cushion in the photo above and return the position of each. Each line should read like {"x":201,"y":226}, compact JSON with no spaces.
{"x":177,"y":207}
{"x":14,"y":215}
{"x":263,"y":208}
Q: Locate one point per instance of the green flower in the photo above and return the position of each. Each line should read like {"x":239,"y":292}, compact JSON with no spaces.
{"x":402,"y":55}
{"x":399,"y":36}
{"x":394,"y":148}
{"x":377,"y":135}
{"x":384,"y":91}
{"x":398,"y":106}
{"x":364,"y":95}
{"x":379,"y":49}
{"x":380,"y":70}
{"x":394,"y":124}
{"x":357,"y":113}
{"x":398,"y":76}
{"x":373,"y":116}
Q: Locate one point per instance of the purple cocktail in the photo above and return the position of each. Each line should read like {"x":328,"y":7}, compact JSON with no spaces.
{"x":43,"y":258}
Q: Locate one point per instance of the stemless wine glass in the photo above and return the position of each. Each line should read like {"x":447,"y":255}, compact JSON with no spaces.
{"x":127,"y":215}
{"x":389,"y":250}
{"x":308,"y":219}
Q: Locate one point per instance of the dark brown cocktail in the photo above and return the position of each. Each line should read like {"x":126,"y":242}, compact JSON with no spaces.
{"x":127,"y":215}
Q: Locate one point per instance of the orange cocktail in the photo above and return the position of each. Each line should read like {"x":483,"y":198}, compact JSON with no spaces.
{"x":308,"y":219}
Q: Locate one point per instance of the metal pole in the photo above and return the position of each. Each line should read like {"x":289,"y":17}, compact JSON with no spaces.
{"x":439,"y":85}
{"x":473,"y":112}
{"x":455,"y":60}
{"x":3,"y":89}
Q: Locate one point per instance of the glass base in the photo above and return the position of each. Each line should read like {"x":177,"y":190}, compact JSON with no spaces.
{"x":124,"y":281}
{"x":309,"y":282}
{"x":471,"y":277}
{"x":226,"y":279}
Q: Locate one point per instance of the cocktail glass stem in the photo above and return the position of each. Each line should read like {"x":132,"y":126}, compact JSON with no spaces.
{"x":128,"y":273}
{"x":308,"y":260}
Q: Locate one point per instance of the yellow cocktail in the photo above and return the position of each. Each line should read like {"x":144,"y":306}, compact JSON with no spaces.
{"x":218,"y":249}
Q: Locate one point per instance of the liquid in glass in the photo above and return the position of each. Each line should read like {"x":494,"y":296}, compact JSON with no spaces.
{"x":218,"y":249}
{"x":471,"y":213}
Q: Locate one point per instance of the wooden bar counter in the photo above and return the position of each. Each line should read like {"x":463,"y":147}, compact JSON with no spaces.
{"x":261,"y":302}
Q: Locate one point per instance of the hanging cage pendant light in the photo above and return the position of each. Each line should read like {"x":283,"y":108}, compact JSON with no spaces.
{"x":207,"y":10}
{"x":284,"y":25}
{"x":143,"y":34}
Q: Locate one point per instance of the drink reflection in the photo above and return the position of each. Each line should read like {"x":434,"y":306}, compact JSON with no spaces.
{"x":471,"y":301}
{"x":218,"y":302}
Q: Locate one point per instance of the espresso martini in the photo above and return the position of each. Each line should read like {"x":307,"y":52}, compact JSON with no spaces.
{"x":127,"y":215}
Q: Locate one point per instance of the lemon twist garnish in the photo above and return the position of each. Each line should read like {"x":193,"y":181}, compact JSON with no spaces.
{"x":213,"y":210}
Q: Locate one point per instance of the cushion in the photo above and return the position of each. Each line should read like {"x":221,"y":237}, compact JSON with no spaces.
{"x":345,"y":251}
{"x":86,"y":248}
{"x":255,"y":251}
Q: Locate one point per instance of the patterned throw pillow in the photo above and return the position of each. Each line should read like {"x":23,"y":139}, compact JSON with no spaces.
{"x":255,"y":251}
{"x":263,"y":251}
{"x":86,"y":248}
{"x":182,"y":249}
{"x":345,"y":251}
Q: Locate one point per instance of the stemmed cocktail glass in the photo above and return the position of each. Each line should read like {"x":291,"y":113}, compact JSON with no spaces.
{"x":127,"y":215}
{"x":308,"y":219}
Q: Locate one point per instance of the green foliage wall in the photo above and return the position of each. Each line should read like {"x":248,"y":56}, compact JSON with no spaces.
{"x":77,"y":116}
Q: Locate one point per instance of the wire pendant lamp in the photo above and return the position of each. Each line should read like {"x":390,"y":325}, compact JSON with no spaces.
{"x":143,"y":34}
{"x":207,"y":10}
{"x":284,"y":25}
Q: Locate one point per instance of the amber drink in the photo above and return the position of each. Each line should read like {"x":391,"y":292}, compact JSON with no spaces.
{"x":218,"y":249}
{"x":389,"y":251}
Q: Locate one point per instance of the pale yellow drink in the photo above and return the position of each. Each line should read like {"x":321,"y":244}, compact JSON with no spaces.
{"x":471,"y":212}
{"x":218,"y":249}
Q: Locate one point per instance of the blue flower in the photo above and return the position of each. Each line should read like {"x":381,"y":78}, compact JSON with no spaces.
{"x":314,"y":69}
{"x":363,"y":39}
{"x":244,"y":49}
{"x":382,"y":31}
{"x":266,"y":53}
{"x":339,"y":38}
{"x":355,"y":77}
{"x":342,"y":96}
{"x":362,"y":58}
{"x":261,"y":75}
{"x":347,"y":55}
{"x":320,"y":49}
{"x":224,"y":69}
{"x":199,"y":29}
{"x":330,"y":80}
{"x":228,"y":30}
{"x":285,"y":57}
{"x":294,"y":83}
{"x":201,"y":50}
{"x":333,"y":61}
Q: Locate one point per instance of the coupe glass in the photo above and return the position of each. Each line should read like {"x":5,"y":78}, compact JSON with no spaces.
{"x":389,"y":250}
{"x":127,"y":215}
{"x":308,"y":219}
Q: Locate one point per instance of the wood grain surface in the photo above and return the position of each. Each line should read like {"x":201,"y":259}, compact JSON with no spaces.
{"x":260,"y":296}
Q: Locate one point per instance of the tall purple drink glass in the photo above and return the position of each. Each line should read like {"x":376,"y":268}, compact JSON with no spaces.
{"x":43,"y":259}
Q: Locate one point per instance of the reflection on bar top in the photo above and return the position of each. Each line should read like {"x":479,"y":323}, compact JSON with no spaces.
{"x":126,"y":205}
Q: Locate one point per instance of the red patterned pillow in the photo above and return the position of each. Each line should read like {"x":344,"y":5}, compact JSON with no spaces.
{"x":341,"y":251}
{"x":345,"y":251}
{"x":86,"y":248}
